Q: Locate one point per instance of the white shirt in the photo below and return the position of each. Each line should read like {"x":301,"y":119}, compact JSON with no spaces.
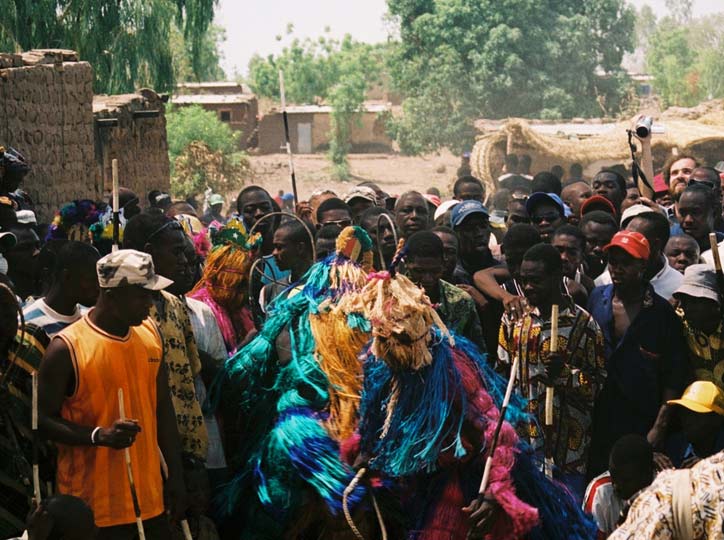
{"x":210,"y":341}
{"x":665,"y":283}
{"x":602,"y":503}
{"x":708,"y":257}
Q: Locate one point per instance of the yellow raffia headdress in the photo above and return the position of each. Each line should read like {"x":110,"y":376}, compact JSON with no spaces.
{"x":228,"y":266}
{"x":338,"y":340}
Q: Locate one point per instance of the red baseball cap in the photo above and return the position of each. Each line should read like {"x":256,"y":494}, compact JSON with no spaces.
{"x":598,"y":202}
{"x":660,"y":184}
{"x":633,"y":243}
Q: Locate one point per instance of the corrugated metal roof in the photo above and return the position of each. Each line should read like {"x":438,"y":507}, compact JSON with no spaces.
{"x":212,"y":99}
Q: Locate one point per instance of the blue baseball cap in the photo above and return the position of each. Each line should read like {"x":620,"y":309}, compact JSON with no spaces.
{"x":465,"y":209}
{"x":539,"y":197}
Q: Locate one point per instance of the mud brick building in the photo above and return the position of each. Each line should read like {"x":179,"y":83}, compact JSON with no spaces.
{"x":47,"y":112}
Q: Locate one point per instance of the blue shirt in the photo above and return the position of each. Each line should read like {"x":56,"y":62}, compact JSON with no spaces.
{"x":649,"y":358}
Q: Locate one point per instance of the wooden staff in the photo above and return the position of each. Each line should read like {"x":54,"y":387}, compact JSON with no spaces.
{"x":717,"y":263}
{"x":496,"y":433}
{"x":549,"y":398}
{"x":129,"y":471}
{"x":34,"y":425}
{"x":116,"y":210}
{"x":292,"y":175}
{"x":184,"y":522}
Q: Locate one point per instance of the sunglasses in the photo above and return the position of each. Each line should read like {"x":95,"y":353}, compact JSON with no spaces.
{"x":172,"y":225}
{"x":341,"y":223}
{"x":549,"y":218}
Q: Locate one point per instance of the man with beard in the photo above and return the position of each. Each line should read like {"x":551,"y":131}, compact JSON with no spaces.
{"x":411,"y":214}
{"x":372,"y":223}
{"x":471,"y":223}
{"x":645,"y":349}
{"x":424,"y":267}
{"x":547,"y":213}
{"x":598,"y":227}
{"x":677,"y":171}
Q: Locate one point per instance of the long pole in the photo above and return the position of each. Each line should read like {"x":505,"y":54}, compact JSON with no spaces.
{"x":34,"y":426}
{"x":496,"y":433}
{"x":185,"y":529}
{"x":292,"y":174}
{"x":549,"y":398}
{"x":129,"y":472}
{"x":116,"y":210}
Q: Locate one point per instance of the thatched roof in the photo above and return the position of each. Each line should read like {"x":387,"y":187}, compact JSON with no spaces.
{"x":688,"y":136}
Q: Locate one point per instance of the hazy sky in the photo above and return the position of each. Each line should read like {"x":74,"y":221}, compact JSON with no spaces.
{"x":252,"y":27}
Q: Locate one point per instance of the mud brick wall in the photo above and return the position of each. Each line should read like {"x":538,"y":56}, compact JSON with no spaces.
{"x":138,"y":142}
{"x":46,"y":114}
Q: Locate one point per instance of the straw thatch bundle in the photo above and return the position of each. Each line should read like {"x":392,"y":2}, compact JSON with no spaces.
{"x":546,"y":150}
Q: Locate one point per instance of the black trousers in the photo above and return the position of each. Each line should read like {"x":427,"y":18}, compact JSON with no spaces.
{"x":155,"y":528}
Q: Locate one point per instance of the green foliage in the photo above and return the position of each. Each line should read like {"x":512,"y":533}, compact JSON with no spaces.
{"x":209,"y":56}
{"x":127,"y":42}
{"x":198,"y":168}
{"x":313,"y":67}
{"x":459,"y":60}
{"x":687,"y":60}
{"x":323,"y":70}
{"x":187,"y":124}
{"x":203,"y":151}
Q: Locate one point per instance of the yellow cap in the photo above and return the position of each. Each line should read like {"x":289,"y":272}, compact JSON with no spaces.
{"x":702,"y":397}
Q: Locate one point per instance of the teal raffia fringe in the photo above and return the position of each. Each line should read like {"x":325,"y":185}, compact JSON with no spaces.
{"x":426,"y":419}
{"x":287,"y":449}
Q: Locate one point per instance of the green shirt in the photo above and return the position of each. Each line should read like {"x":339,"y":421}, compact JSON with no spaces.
{"x":457,"y":310}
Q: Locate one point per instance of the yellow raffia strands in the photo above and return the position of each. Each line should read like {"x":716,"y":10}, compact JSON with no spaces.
{"x":401,"y":316}
{"x":226,"y":275}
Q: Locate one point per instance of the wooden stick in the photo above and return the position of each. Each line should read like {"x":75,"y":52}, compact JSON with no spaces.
{"x":34,"y":426}
{"x":715,"y":251}
{"x":292,"y":174}
{"x":116,"y":209}
{"x":550,"y":395}
{"x":129,"y":471}
{"x":496,"y":433}
{"x":184,"y":522}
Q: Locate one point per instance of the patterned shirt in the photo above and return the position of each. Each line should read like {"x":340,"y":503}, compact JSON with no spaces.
{"x":41,"y":314}
{"x":706,"y":352}
{"x":183,"y":363}
{"x":457,"y":310}
{"x":652,"y":516}
{"x":580,"y":343}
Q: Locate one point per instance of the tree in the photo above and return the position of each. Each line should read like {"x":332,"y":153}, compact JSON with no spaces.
{"x":669,"y":60}
{"x":458,"y":60}
{"x":680,"y":10}
{"x":323,"y":70}
{"x":204,"y":152}
{"x":127,"y":42}
{"x":209,"y":56}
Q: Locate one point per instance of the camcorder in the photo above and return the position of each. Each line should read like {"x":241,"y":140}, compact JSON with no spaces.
{"x":645,"y":127}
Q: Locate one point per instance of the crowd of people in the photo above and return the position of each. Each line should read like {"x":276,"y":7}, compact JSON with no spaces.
{"x":337,"y":368}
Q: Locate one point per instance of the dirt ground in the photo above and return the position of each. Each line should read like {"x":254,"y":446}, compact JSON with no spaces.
{"x":395,"y":174}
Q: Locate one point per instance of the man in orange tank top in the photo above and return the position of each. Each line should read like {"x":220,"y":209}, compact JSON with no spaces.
{"x":115,"y":346}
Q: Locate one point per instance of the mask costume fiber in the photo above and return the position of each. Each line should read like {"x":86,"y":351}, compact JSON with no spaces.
{"x":429,"y":406}
{"x":295,"y":413}
{"x":225,"y":281}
